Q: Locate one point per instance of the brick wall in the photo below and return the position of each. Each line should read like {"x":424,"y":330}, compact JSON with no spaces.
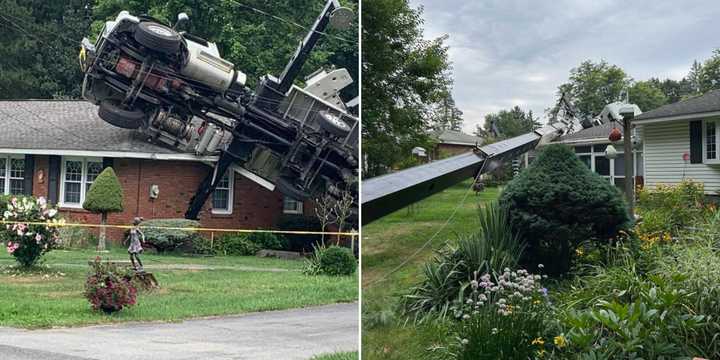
{"x":253,"y":205}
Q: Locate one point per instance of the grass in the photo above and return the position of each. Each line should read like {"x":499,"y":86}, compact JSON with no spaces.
{"x":52,"y":295}
{"x":389,"y":241}
{"x":337,"y":356}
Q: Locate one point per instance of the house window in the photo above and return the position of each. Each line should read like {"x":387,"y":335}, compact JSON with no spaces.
{"x":710,"y":140}
{"x":613,"y":170}
{"x":77,"y":176}
{"x":12,"y":175}
{"x":292,"y":206}
{"x":223,"y":195}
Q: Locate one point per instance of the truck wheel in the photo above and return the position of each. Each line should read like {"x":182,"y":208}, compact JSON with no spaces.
{"x":111,"y":112}
{"x":158,"y":37}
{"x":288,"y":188}
{"x":333,"y":124}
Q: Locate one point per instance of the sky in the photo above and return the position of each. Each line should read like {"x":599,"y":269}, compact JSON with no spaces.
{"x":512,"y":52}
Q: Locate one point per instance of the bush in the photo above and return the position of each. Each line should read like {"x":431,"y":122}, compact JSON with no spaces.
{"x":333,"y":261}
{"x":557,"y":203}
{"x":494,"y":247}
{"x":105,"y":194}
{"x":109,"y":288}
{"x":300,"y":243}
{"x":667,"y":210}
{"x":28,"y":242}
{"x":670,"y":310}
{"x":268,"y":241}
{"x":238,"y":245}
{"x":502,"y":317}
{"x":168,"y":239}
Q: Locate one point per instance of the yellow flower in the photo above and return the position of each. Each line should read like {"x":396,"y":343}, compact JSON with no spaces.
{"x":579,"y":252}
{"x":536,"y":302}
{"x":559,"y":341}
{"x":541,"y":353}
{"x":538,"y":341}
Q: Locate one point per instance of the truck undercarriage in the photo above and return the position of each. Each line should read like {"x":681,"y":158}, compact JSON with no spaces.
{"x":174,"y":88}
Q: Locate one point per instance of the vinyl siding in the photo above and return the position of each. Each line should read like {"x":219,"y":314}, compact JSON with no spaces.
{"x":664,"y":144}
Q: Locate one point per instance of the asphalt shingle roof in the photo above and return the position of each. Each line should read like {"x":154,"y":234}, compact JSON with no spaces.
{"x":457,"y":137}
{"x":595,"y":132}
{"x":706,"y":103}
{"x":65,"y":125}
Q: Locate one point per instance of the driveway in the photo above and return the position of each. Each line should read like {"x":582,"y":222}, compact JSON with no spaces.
{"x":290,"y":334}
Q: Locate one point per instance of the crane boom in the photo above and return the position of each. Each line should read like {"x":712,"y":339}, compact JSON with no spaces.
{"x":387,"y":193}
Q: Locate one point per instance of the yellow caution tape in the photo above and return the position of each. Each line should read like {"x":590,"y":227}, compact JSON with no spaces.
{"x":288,"y":232}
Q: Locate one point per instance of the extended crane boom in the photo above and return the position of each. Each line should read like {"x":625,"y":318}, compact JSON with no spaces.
{"x":384,"y":194}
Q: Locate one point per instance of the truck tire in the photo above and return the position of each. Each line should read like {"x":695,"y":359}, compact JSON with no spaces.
{"x":333,"y":124}
{"x":112,"y":113}
{"x":158,"y":37}
{"x":288,"y":188}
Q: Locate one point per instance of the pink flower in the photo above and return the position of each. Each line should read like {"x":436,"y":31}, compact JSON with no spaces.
{"x":11,"y":247}
{"x":38,"y":238}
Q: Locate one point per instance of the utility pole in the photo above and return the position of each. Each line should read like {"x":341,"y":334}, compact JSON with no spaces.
{"x":628,"y":114}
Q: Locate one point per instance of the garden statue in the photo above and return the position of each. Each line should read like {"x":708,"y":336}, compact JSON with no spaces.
{"x":135,"y":248}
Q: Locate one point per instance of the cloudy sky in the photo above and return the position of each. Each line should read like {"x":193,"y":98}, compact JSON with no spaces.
{"x":512,"y":52}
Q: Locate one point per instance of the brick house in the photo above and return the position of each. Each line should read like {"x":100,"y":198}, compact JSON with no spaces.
{"x":56,"y":148}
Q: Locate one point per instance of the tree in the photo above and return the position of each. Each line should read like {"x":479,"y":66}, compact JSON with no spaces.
{"x":695,"y":76}
{"x":674,"y":90}
{"x":38,"y":56}
{"x":647,"y":95}
{"x":508,"y":123}
{"x":593,"y":85}
{"x":557,"y":203}
{"x":710,"y":74}
{"x":105,"y":196}
{"x":40,"y":39}
{"x":402,"y":75}
{"x":446,"y":115}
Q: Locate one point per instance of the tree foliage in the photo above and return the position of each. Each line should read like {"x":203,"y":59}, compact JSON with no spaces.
{"x":39,"y":56}
{"x":557,"y":203}
{"x":647,"y":95}
{"x":508,"y":123}
{"x":593,"y":85}
{"x":403,"y":75}
{"x":105,"y":194}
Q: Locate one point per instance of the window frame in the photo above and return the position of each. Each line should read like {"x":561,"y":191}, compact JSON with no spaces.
{"x":299,"y":206}
{"x":705,"y":159}
{"x":6,"y":175}
{"x":231,"y":191}
{"x":83,"y":181}
{"x":611,"y":177}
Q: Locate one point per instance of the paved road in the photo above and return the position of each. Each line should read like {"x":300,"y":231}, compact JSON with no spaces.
{"x":277,"y":335}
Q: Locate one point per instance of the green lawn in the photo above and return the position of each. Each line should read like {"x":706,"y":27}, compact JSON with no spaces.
{"x":337,"y":356}
{"x":389,"y":241}
{"x":237,"y":285}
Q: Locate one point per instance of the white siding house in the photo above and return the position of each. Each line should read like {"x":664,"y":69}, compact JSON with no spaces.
{"x":680,"y":141}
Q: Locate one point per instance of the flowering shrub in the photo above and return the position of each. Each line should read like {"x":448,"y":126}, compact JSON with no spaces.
{"x":31,"y":229}
{"x":667,"y":209}
{"x":109,"y":288}
{"x":502,"y":319}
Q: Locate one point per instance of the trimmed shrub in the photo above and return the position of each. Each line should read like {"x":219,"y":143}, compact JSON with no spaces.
{"x":268,"y":241}
{"x":109,"y":288}
{"x":238,"y":245}
{"x":557,"y":203}
{"x":494,"y":247}
{"x":28,"y":242}
{"x":337,"y":261}
{"x":300,"y":243}
{"x":104,"y":196}
{"x":168,"y":239}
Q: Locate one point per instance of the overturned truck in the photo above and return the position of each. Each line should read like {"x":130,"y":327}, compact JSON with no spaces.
{"x":176,"y":89}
